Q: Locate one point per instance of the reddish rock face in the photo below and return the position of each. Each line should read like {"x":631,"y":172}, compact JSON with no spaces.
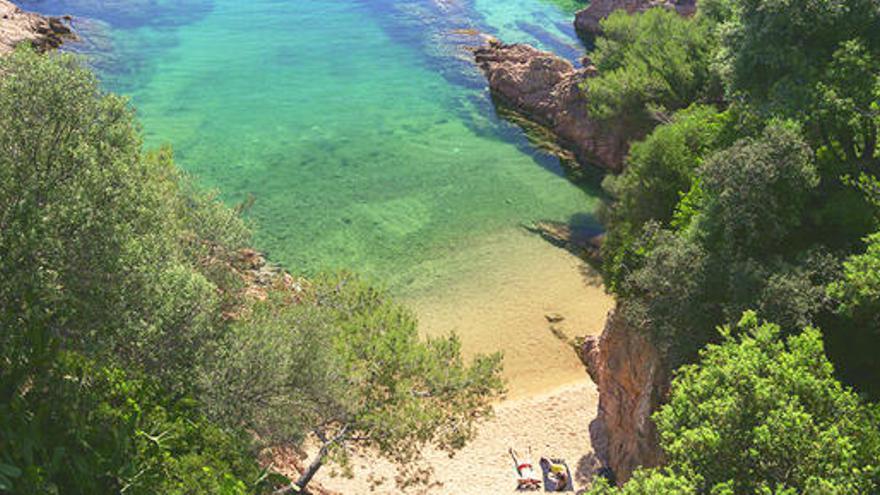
{"x":17,"y":26}
{"x":546,"y":89}
{"x":586,"y":21}
{"x":633,"y":382}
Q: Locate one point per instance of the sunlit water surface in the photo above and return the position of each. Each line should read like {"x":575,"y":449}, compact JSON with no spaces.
{"x":360,"y":128}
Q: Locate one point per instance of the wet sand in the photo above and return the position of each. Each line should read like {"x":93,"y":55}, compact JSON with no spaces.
{"x":551,"y":401}
{"x":521,"y":280}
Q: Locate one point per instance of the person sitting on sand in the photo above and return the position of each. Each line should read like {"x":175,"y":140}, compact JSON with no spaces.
{"x":558,"y":472}
{"x":560,"y":476}
{"x":527,"y":478}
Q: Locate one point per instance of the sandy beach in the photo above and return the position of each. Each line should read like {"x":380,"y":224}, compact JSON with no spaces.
{"x":551,"y":401}
{"x":555,"y":424}
{"x":522,"y":280}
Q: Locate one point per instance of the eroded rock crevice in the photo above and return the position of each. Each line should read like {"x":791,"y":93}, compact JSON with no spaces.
{"x":633,"y":381}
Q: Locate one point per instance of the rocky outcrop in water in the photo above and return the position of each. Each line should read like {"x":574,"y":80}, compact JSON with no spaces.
{"x":633,"y":381}
{"x":18,"y":26}
{"x":546,"y":89}
{"x":582,"y":242}
{"x":586,"y":21}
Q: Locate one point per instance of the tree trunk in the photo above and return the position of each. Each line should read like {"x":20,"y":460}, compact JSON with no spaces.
{"x":316,"y":464}
{"x":306,"y":477}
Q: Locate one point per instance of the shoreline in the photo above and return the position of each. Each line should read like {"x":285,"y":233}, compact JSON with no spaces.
{"x":517,"y":280}
{"x":553,"y":424}
{"x":551,"y":400}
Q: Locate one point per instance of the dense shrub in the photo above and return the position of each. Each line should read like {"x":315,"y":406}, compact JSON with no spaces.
{"x":132,"y":358}
{"x":649,"y":64}
{"x":763,"y":414}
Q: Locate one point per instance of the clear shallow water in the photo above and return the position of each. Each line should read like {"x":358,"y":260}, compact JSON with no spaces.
{"x":359,"y":127}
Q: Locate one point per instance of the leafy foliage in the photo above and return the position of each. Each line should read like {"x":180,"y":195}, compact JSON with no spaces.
{"x":660,"y":170}
{"x":668,"y":296}
{"x":857,"y":333}
{"x":813,"y":60}
{"x":83,"y":428}
{"x":653,"y":62}
{"x":316,"y":363}
{"x":646,"y":482}
{"x":759,"y":414}
{"x":859,"y":289}
{"x":132,"y":357}
{"x":755,"y":193}
{"x":770,"y":415}
{"x":91,"y":239}
{"x":739,"y":248}
{"x":103,"y":271}
{"x":754,"y":207}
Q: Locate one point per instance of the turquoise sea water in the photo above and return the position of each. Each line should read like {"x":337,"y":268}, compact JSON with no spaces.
{"x":359,"y":127}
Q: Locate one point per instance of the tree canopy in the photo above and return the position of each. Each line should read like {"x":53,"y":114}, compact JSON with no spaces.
{"x":139,"y":355}
{"x":759,"y":413}
{"x":315,"y":367}
{"x":651,"y":63}
{"x":765,"y":200}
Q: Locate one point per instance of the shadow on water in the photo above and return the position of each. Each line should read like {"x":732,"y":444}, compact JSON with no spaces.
{"x":445,"y":34}
{"x":127,"y":14}
{"x":565,"y":48}
{"x":97,"y":23}
{"x":582,"y":235}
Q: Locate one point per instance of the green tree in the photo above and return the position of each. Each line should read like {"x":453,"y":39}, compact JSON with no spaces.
{"x":755,"y":192}
{"x":659,"y":171}
{"x":762,"y":414}
{"x":90,"y":229}
{"x":651,"y":63}
{"x":646,"y":482}
{"x":816,"y":61}
{"x":856,"y":334}
{"x":80,"y":427}
{"x":106,"y":266}
{"x":739,"y":247}
{"x":669,"y":297}
{"x":362,"y":376}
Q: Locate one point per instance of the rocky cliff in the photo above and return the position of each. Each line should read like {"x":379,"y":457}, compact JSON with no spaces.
{"x":18,"y":26}
{"x":546,"y":89}
{"x":586,"y":21}
{"x":632,"y":381}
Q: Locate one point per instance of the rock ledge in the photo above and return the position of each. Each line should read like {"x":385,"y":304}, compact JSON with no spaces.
{"x":18,"y":26}
{"x":586,"y":22}
{"x":546,"y":89}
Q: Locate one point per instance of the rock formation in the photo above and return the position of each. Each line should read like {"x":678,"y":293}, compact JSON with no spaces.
{"x":18,"y":26}
{"x":546,"y":89}
{"x":584,"y":242}
{"x":632,"y":380}
{"x":586,"y":22}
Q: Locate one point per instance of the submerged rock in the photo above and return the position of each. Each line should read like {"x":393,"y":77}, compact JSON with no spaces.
{"x":563,"y":235}
{"x":546,"y":89}
{"x":18,"y":26}
{"x":586,"y":21}
{"x":633,"y":381}
{"x":554,"y":317}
